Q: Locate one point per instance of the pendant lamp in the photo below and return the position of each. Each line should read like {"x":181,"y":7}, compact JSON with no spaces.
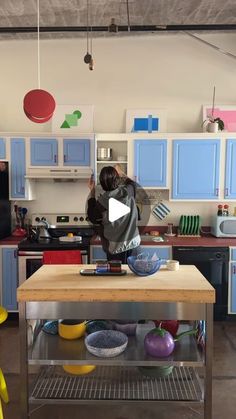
{"x":39,"y":104}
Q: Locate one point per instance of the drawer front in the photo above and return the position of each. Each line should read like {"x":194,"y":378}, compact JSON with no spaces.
{"x":233,"y":253}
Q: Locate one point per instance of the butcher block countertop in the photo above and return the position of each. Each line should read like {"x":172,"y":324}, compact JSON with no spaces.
{"x":64,"y":283}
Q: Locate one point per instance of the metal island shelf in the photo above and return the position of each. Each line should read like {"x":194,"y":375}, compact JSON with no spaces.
{"x":60,"y":292}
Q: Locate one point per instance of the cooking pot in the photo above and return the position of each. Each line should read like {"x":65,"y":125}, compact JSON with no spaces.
{"x":104,"y":153}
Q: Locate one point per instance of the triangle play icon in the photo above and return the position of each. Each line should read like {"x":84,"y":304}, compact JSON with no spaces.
{"x":116,"y":210}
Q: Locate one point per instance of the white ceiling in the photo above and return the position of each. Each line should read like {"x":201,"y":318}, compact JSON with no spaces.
{"x":54,"y":13}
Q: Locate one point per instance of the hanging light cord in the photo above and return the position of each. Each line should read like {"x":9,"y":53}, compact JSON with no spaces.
{"x":38,"y":44}
{"x":127,"y":6}
{"x":87,"y":25}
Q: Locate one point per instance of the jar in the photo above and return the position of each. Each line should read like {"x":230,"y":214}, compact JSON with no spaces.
{"x":226,"y":210}
{"x":220,"y":210}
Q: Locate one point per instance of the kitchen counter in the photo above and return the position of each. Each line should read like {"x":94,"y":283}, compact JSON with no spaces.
{"x":207,"y":241}
{"x":64,"y":283}
{"x":11,"y":240}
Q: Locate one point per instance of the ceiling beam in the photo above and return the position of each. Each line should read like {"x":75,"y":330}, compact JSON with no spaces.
{"x":122,"y":28}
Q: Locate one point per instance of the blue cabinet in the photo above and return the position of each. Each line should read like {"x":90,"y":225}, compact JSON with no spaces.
{"x":9,"y":278}
{"x":18,"y":168}
{"x":230,"y":169}
{"x":43,"y":152}
{"x":150,"y":159}
{"x":233,"y":287}
{"x":76,"y":152}
{"x":196,"y":165}
{"x":2,"y":148}
{"x":97,"y":253}
{"x":162,"y":252}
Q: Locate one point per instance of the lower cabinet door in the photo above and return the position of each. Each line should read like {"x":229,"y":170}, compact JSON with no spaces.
{"x":233,"y":288}
{"x":97,"y":253}
{"x":162,"y":252}
{"x":9,"y":278}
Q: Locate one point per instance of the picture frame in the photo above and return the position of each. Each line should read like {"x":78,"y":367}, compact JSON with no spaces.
{"x":73,"y":119}
{"x":225,"y":112}
{"x":146,"y":120}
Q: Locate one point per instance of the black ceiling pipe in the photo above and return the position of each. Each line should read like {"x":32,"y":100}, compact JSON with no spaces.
{"x":122,"y":28}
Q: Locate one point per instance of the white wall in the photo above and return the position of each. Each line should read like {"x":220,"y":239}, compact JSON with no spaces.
{"x":171,"y":71}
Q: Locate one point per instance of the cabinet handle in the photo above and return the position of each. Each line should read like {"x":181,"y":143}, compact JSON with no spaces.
{"x":234,"y":269}
{"x":15,"y":253}
{"x":55,"y":158}
{"x":226,"y":191}
{"x":217,"y":191}
{"x":22,"y":189}
{"x":64,"y":158}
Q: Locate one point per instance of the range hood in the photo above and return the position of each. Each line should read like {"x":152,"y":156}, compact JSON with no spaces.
{"x":58,"y":173}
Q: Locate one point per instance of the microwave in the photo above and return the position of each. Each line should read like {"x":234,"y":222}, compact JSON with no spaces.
{"x":223,"y":226}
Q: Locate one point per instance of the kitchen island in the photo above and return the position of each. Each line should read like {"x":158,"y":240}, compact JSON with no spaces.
{"x":60,"y":292}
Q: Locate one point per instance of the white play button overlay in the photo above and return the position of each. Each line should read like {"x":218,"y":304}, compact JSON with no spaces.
{"x":116,"y":210}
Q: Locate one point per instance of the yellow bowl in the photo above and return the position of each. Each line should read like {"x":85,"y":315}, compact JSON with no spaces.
{"x":78,"y":369}
{"x":71,"y":329}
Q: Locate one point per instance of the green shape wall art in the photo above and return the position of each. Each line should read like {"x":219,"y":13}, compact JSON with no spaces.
{"x":76,"y":118}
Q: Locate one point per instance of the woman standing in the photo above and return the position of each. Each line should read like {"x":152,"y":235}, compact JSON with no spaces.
{"x":120,"y":238}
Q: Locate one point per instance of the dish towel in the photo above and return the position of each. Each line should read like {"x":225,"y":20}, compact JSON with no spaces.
{"x":160,"y":211}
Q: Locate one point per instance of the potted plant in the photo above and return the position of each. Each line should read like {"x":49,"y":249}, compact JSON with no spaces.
{"x":214,"y":124}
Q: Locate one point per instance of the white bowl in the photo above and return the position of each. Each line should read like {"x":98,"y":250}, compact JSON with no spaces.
{"x":106,"y":343}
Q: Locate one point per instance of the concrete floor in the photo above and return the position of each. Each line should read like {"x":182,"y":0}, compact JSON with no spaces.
{"x":224,"y":385}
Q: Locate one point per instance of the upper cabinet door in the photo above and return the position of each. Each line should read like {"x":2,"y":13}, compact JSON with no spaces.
{"x":2,"y":148}
{"x":230,"y":169}
{"x":150,"y":162}
{"x":18,"y":168}
{"x":43,"y":152}
{"x":196,"y":165}
{"x":76,"y":152}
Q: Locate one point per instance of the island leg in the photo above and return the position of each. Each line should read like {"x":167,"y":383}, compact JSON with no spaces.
{"x":24,"y":405}
{"x":208,"y":362}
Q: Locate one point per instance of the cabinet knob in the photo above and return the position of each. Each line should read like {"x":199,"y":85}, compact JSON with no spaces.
{"x":55,"y":158}
{"x":64,"y":158}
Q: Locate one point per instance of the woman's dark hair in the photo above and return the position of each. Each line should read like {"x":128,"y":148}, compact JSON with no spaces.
{"x":109,"y":178}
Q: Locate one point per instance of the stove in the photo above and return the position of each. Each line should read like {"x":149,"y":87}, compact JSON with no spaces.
{"x":30,"y":250}
{"x":60,"y":225}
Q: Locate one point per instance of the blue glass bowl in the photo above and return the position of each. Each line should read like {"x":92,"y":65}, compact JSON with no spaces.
{"x":143,"y":267}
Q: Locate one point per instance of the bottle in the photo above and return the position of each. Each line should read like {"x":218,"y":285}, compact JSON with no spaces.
{"x":220,"y":210}
{"x":226,"y":210}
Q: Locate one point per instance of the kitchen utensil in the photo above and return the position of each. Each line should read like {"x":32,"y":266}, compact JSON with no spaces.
{"x":142,"y":266}
{"x":71,"y":329}
{"x":51,"y":327}
{"x":129,"y":328}
{"x":160,"y":210}
{"x":78,"y":369}
{"x":160,"y":343}
{"x":172,"y":265}
{"x":106,"y":343}
{"x":104,"y":153}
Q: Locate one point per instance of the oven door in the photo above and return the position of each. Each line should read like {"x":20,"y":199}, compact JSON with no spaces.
{"x":28,"y":263}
